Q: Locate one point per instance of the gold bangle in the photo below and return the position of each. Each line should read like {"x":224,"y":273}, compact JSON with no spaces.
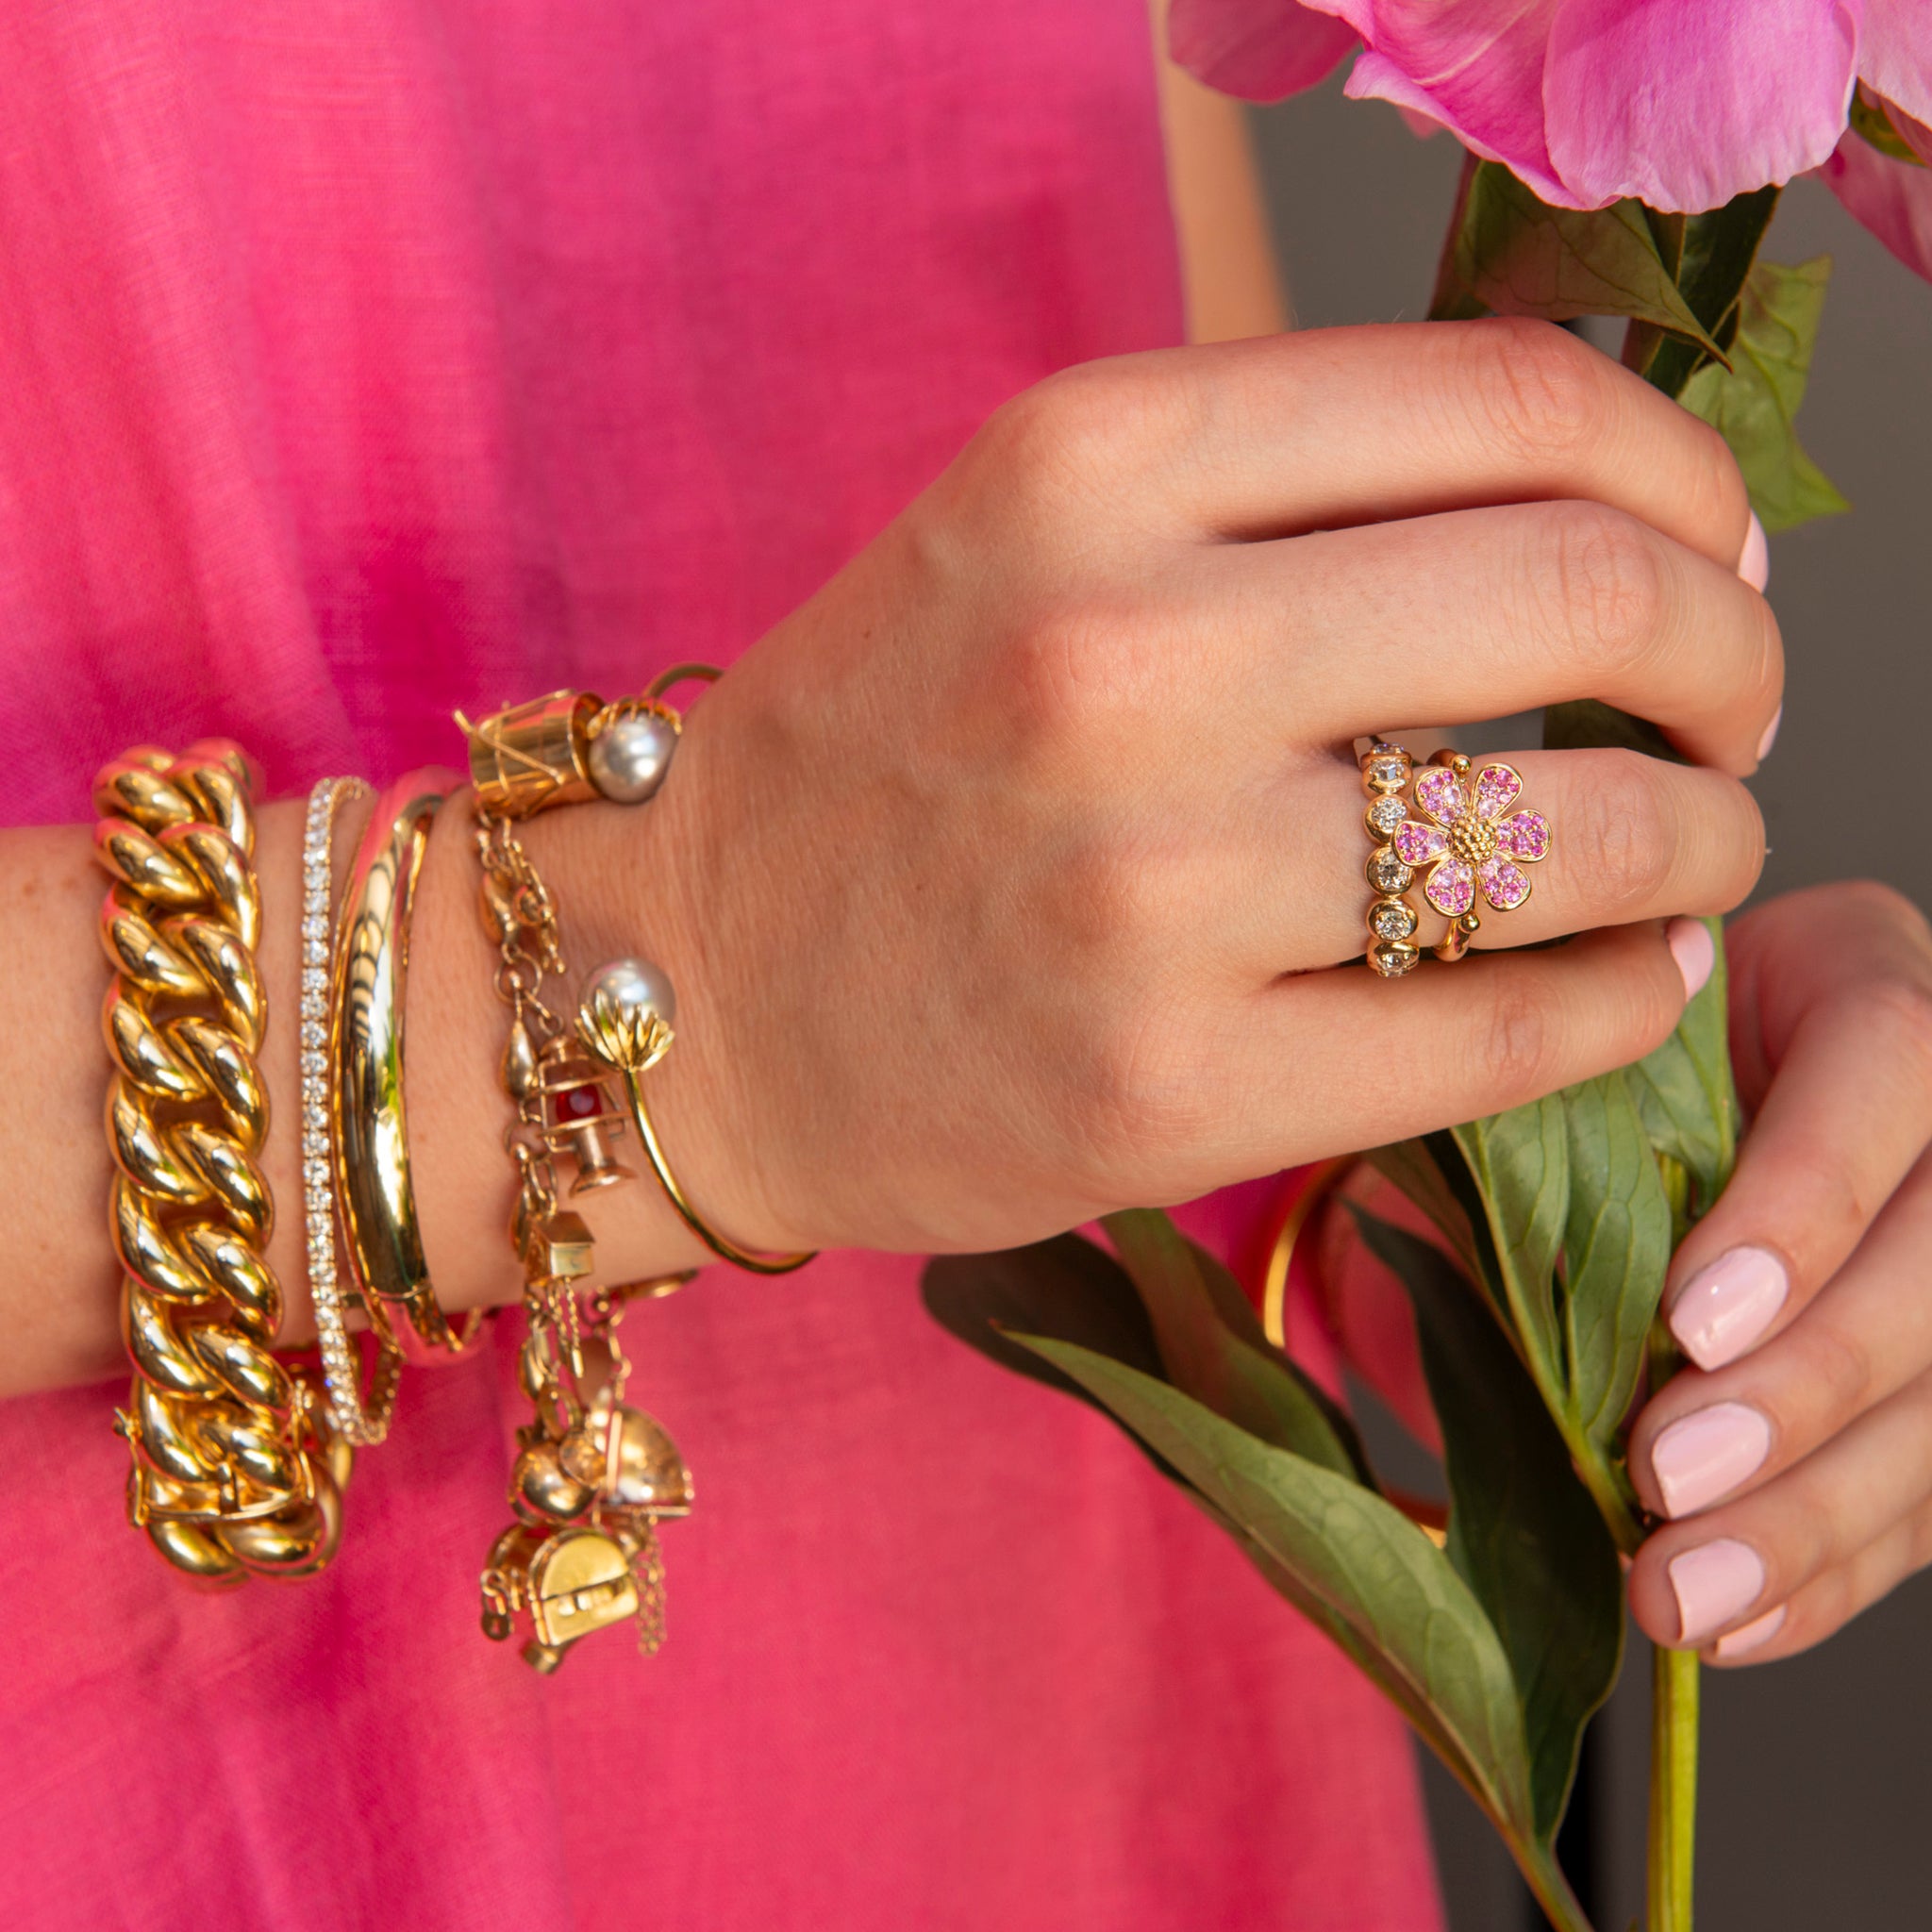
{"x":619,"y":1021}
{"x":236,"y":1468}
{"x":368,"y":1127}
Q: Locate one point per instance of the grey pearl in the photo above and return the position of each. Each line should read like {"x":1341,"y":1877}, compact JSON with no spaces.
{"x":635,"y":983}
{"x":630,"y":755}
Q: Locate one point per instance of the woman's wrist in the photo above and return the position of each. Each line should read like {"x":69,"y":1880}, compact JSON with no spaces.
{"x":455,"y":1028}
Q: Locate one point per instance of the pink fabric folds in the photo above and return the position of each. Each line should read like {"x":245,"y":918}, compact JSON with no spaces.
{"x":368,"y":358}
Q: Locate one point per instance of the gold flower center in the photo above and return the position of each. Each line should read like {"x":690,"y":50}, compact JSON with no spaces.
{"x":1472,"y":839}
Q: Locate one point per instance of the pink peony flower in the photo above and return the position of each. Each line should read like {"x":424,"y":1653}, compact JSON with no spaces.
{"x":1680,"y":103}
{"x":1891,"y":197}
{"x":1467,"y":842}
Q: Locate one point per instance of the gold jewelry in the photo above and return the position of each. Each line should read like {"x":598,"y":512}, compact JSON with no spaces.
{"x":383,"y":1249}
{"x":1391,"y":921}
{"x":594,"y":1476}
{"x":235,"y":1467}
{"x":625,"y":1019}
{"x":1463,"y":837}
{"x":570,"y":747}
{"x":361,"y":1419}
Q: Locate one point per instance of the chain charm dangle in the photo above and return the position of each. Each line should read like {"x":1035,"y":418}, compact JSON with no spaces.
{"x":594,"y":1475}
{"x":236,"y":1469}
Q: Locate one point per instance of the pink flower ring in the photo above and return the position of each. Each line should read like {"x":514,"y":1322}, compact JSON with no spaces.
{"x":1467,"y":843}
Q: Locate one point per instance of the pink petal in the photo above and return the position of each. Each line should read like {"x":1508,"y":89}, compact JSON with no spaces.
{"x":1686,"y":103}
{"x":1451,"y":888}
{"x":1440,"y":793}
{"x":1476,"y":67}
{"x":1262,"y":50}
{"x":1917,"y":135}
{"x":1525,"y":835}
{"x":1504,"y":886}
{"x":1496,"y":787}
{"x":1892,"y":198}
{"x":1417,"y":843}
{"x":1895,"y":57}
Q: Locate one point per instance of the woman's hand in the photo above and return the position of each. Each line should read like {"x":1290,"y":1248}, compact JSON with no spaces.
{"x":1796,"y":1455}
{"x":997,"y":883}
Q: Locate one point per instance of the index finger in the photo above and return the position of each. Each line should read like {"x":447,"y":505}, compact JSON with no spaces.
{"x":1296,"y":432}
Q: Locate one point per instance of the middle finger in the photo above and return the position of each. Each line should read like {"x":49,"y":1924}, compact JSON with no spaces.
{"x":1482,"y":613}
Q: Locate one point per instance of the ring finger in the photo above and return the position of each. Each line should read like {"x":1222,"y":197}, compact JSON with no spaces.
{"x":1625,"y":837}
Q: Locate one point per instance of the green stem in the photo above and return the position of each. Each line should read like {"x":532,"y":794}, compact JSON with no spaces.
{"x":1673,"y":1787}
{"x":1545,"y":1879}
{"x":1672,"y":1685}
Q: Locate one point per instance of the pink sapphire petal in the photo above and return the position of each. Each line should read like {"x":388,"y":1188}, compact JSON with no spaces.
{"x":1496,"y":787}
{"x":1504,"y":886}
{"x":1440,"y":793}
{"x":1451,"y":889}
{"x":1523,"y":835}
{"x":1418,"y":844}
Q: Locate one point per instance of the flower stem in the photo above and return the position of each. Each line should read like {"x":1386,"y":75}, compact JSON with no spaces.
{"x":1673,"y":1787}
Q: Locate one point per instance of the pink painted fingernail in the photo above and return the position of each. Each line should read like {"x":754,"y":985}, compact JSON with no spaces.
{"x":1754,"y":562}
{"x":1712,"y":1584}
{"x":1694,"y":951}
{"x":1770,"y":738}
{"x":1726,"y":1308}
{"x":1746,"y":1637}
{"x":1706,"y":1454}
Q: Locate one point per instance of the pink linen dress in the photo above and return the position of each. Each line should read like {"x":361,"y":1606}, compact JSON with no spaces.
{"x":363,"y":358}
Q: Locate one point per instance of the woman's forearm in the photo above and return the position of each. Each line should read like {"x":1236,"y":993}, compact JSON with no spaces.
{"x":59,"y":1281}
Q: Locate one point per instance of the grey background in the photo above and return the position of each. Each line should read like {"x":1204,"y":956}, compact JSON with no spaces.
{"x":1817,"y":1771}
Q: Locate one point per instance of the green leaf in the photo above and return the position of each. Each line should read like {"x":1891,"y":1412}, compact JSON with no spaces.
{"x":1684,"y":1091}
{"x":1583,"y":721}
{"x":1523,"y":1532}
{"x":1512,"y":253}
{"x":1414,"y":1167}
{"x":1616,"y":1248}
{"x":1066,"y":1287}
{"x":1520,"y":1161}
{"x":1711,"y":259}
{"x":1754,"y":403}
{"x":1373,"y":1571}
{"x":1871,"y":122}
{"x":1212,"y":1348}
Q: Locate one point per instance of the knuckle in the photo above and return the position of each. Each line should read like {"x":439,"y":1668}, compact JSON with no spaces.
{"x":1623,"y":834}
{"x":1517,"y":1053}
{"x":1840,"y":1374}
{"x":1542,"y":396}
{"x":1081,"y":662}
{"x":1077,"y":433}
{"x":1605,"y":579}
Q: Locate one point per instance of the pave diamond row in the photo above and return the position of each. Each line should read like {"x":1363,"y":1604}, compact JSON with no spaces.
{"x":360,"y":1419}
